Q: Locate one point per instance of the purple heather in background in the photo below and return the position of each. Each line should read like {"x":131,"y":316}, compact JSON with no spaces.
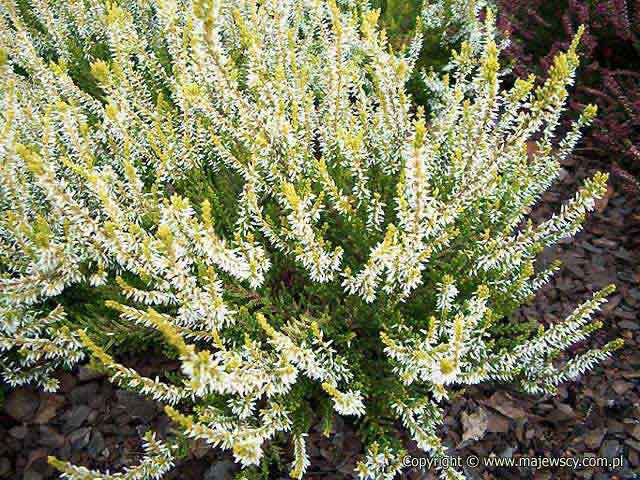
{"x":609,"y":77}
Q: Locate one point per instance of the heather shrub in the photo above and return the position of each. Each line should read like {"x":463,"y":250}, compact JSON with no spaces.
{"x":252,"y":183}
{"x":609,"y":77}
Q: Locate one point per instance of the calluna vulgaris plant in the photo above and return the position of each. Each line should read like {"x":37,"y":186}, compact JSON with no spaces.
{"x":254,"y":179}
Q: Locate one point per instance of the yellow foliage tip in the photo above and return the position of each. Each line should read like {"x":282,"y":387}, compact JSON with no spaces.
{"x":170,"y":333}
{"x":330,"y":389}
{"x":31,"y":159}
{"x":616,"y":344}
{"x":577,"y":38}
{"x":100,"y":71}
{"x":289,"y":191}
{"x":123,"y":285}
{"x":113,"y":304}
{"x":596,"y":325}
{"x":86,"y":341}
{"x":184,"y":421}
{"x":262,"y":321}
{"x":447,"y":366}
{"x":207,"y":213}
{"x":316,"y":329}
{"x":590,"y":111}
{"x":58,"y":464}
{"x":609,"y":289}
{"x":386,"y":340}
{"x":96,"y":352}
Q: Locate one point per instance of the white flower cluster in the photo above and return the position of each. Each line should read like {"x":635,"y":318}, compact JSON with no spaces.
{"x":192,"y":153}
{"x":380,"y":463}
{"x":157,"y":462}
